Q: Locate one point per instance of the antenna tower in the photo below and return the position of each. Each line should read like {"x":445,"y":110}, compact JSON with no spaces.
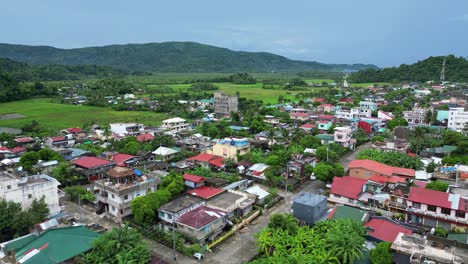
{"x":442,"y":72}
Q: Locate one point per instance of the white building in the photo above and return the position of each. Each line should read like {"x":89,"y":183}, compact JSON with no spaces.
{"x":457,"y":119}
{"x":355,"y":112}
{"x":175,"y":124}
{"x":25,"y":190}
{"x":368,"y":105}
{"x":415,"y":116}
{"x":385,"y":115}
{"x":127,"y":129}
{"x":116,"y":193}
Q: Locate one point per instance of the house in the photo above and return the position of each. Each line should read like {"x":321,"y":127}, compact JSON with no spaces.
{"x":115,"y":193}
{"x":346,"y":100}
{"x":382,"y":229}
{"x":92,"y":168}
{"x":73,"y":153}
{"x":225,"y":104}
{"x":72,"y":130}
{"x":259,"y":192}
{"x":202,"y":224}
{"x":324,"y":125}
{"x":309,"y":207}
{"x":385,"y":115}
{"x":144,"y":137}
{"x":229,"y":148}
{"x":328,"y":108}
{"x":206,"y":192}
{"x":193,"y":181}
{"x":55,"y":142}
{"x":274,"y":121}
{"x":415,"y":116}
{"x":257,"y":171}
{"x":205,"y":103}
{"x":175,"y":124}
{"x":368,"y":126}
{"x":325,"y":138}
{"x":433,"y":208}
{"x":124,"y":160}
{"x":56,"y":245}
{"x":347,"y":190}
{"x":364,"y":169}
{"x":26,"y":189}
{"x":299,"y":116}
{"x":163,"y":153}
{"x":308,"y":127}
{"x":207,"y":160}
{"x":232,"y":203}
{"x":23,"y":141}
{"x":176,"y":207}
{"x":368,"y":105}
{"x":344,"y":137}
{"x":458,"y":118}
{"x":126,"y":129}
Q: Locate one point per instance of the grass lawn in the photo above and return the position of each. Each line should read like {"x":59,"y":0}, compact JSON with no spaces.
{"x":57,"y":116}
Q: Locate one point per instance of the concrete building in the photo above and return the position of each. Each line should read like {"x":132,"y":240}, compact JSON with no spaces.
{"x":457,"y":119}
{"x":364,"y":169}
{"x":229,"y":148}
{"x":127,"y":129}
{"x":115,"y":193}
{"x":175,"y":124}
{"x":344,"y":136}
{"x":309,"y":207}
{"x":172,"y":210}
{"x":368,"y":105}
{"x":25,"y":190}
{"x":415,"y":116}
{"x":225,"y":104}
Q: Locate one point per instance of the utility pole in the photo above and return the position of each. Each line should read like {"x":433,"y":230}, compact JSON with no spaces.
{"x":173,"y":242}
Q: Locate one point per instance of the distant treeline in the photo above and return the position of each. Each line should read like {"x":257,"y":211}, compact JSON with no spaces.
{"x":456,"y":70}
{"x":24,"y":72}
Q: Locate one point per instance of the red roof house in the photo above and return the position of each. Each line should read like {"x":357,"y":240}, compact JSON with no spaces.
{"x":193,"y":181}
{"x":366,"y":168}
{"x":385,"y":179}
{"x":206,"y":192}
{"x":74,"y":130}
{"x":91,"y":162}
{"x":206,"y":159}
{"x":308,"y":126}
{"x":200,"y":217}
{"x":144,"y":137}
{"x":320,"y":100}
{"x":348,"y":187}
{"x":123,"y":160}
{"x":385,"y":230}
{"x":23,"y":140}
{"x":430,"y":197}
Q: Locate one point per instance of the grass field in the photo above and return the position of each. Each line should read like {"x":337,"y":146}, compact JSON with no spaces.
{"x":368,"y":84}
{"x":57,"y":116}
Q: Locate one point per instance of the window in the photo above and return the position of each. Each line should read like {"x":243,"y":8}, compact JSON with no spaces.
{"x":113,"y":196}
{"x":460,"y":214}
{"x":431,"y":208}
{"x":8,"y":187}
{"x":416,"y":205}
{"x":337,"y":196}
{"x":446,"y":211}
{"x":113,"y":209}
{"x":169,"y":216}
{"x":350,"y":200}
{"x":126,"y":197}
{"x":29,"y":196}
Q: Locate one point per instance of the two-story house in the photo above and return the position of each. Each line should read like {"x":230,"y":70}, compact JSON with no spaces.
{"x":175,"y":124}
{"x":229,"y":148}
{"x":344,"y":136}
{"x":127,"y":129}
{"x":364,"y":169}
{"x":347,"y":190}
{"x":92,"y":167}
{"x":202,"y":224}
{"x":368,"y":105}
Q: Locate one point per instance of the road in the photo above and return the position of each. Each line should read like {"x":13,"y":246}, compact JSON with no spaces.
{"x":351,"y":156}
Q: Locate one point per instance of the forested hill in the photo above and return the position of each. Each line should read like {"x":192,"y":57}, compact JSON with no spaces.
{"x":456,"y":69}
{"x":20,"y":71}
{"x":168,"y":57}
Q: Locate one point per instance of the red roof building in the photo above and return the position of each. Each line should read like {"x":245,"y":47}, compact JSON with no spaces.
{"x":193,"y":178}
{"x":91,"y":162}
{"x":24,"y":140}
{"x":121,"y":159}
{"x":208,"y":159}
{"x":200,"y":217}
{"x":320,"y":100}
{"x":384,"y":229}
{"x":430,"y":197}
{"x":308,"y":126}
{"x":206,"y":192}
{"x":57,"y":139}
{"x":384,"y":179}
{"x":348,"y":187}
{"x":364,"y":169}
{"x":74,"y":130}
{"x":144,"y":137}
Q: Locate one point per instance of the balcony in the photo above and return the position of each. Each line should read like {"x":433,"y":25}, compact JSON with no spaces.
{"x":441,"y":217}
{"x":397,"y":205}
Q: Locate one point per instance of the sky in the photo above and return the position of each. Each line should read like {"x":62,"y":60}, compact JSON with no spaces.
{"x":385,"y":33}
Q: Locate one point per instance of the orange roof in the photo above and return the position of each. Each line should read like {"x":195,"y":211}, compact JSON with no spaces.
{"x":381,"y":168}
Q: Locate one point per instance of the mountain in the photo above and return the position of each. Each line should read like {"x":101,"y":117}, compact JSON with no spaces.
{"x":20,"y":71}
{"x":168,"y":57}
{"x":456,"y":70}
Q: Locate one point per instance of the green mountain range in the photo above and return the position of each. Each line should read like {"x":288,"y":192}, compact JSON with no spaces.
{"x":169,"y":57}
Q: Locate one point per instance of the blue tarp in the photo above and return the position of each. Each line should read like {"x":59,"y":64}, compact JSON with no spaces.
{"x":137,"y":172}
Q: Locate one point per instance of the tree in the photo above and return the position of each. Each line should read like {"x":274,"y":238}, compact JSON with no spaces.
{"x":38,"y":211}
{"x":62,"y":172}
{"x":321,"y":154}
{"x":437,"y":186}
{"x":397,"y":121}
{"x":120,"y":245}
{"x":132,"y":148}
{"x":48,"y":154}
{"x":286,"y":222}
{"x":75,"y":192}
{"x":28,"y":160}
{"x":381,"y":254}
{"x":428,"y":117}
{"x":174,"y":183}
{"x":345,"y":240}
{"x":144,"y":208}
{"x":310,"y":141}
{"x":431,"y":167}
{"x":323,"y":172}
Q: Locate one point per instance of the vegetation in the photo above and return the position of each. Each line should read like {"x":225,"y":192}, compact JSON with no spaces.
{"x":396,"y":159}
{"x":381,"y":254}
{"x":15,"y":222}
{"x":439,"y":231}
{"x":437,"y":186}
{"x":283,"y":241}
{"x":79,"y":192}
{"x":120,"y":245}
{"x":168,"y":57}
{"x":422,"y":71}
{"x":397,"y":121}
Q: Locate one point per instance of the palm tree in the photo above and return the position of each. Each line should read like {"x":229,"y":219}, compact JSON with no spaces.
{"x":346,"y":240}
{"x":297,"y":136}
{"x":428,"y":117}
{"x":271,"y":137}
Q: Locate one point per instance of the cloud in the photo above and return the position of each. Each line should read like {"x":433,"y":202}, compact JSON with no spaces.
{"x":463,"y":17}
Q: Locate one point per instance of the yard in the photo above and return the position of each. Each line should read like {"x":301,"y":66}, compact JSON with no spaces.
{"x":57,"y":116}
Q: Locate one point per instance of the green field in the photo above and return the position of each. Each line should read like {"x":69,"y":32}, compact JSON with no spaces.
{"x":368,"y":84}
{"x":57,"y":116}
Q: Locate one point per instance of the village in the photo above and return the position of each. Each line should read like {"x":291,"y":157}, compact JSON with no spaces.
{"x":392,"y":157}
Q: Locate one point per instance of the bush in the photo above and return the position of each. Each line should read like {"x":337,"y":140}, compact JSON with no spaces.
{"x":378,"y":138}
{"x":437,"y":186}
{"x":381,"y":254}
{"x":439,"y":231}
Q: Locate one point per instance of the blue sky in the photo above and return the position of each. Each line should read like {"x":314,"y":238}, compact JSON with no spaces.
{"x":381,"y":32}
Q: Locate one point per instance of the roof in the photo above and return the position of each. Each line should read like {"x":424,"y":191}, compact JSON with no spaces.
{"x":18,"y":242}
{"x":384,"y":179}
{"x":180,"y":203}
{"x":91,"y":162}
{"x":17,"y":150}
{"x":325,"y":136}
{"x":308,"y":126}
{"x":200,"y":217}
{"x":163,"y":151}
{"x":59,"y":138}
{"x":326,"y":117}
{"x":326,"y":105}
{"x":448,"y":148}
{"x":118,"y":172}
{"x":24,"y":139}
{"x":121,"y":158}
{"x":309,"y":199}
{"x":428,"y":196}
{"x":57,"y":245}
{"x":347,"y":186}
{"x":144,"y":137}
{"x":174,"y":120}
{"x":203,"y":157}
{"x":299,"y":114}
{"x":385,"y":230}
{"x":74,"y":130}
{"x":381,"y":168}
{"x":218,"y":162}
{"x":193,"y":178}
{"x":345,"y":212}
{"x":257,"y":190}
{"x":205,"y":192}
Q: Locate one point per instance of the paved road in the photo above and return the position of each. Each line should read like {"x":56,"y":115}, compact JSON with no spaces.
{"x":351,"y":156}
